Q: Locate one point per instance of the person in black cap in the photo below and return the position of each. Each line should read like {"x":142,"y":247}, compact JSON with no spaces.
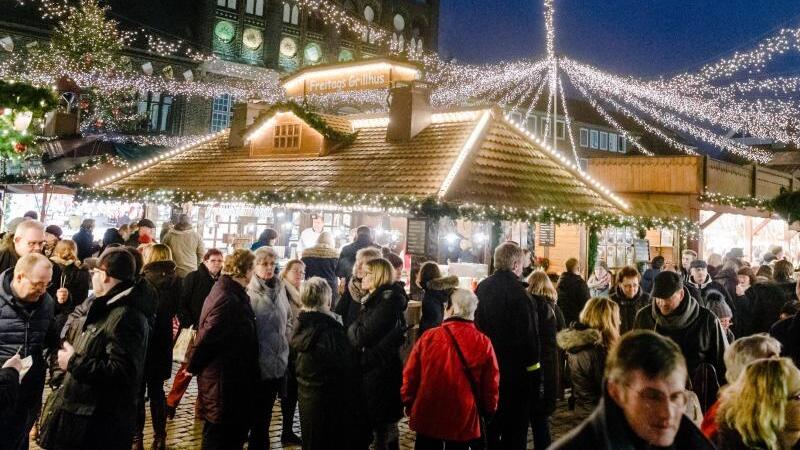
{"x":701,"y":285}
{"x":674,"y":313}
{"x":143,"y":235}
{"x":52,"y":234}
{"x":104,"y":370}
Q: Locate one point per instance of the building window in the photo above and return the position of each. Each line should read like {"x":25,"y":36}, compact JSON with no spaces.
{"x":227,"y":3}
{"x":603,"y":140}
{"x":291,"y":14}
{"x":612,"y":142}
{"x":544,"y":126}
{"x":622,"y":145}
{"x":584,"y":164}
{"x":559,"y":129}
{"x":254,"y":7}
{"x":593,"y":138}
{"x":584,"y":137}
{"x":287,"y":137}
{"x":221,"y":112}
{"x":531,"y":124}
{"x":516,"y":117}
{"x":157,"y":108}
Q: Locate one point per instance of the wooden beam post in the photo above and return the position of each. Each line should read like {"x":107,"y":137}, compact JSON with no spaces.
{"x":710,"y":220}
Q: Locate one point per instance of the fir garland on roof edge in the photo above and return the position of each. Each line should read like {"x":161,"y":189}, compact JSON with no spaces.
{"x":417,"y":206}
{"x":313,"y":119}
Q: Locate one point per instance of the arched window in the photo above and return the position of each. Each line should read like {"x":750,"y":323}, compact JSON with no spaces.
{"x":254,"y":7}
{"x":287,"y":13}
{"x":295,"y":15}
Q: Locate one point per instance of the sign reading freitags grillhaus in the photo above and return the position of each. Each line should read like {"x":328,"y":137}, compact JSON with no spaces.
{"x":354,"y":76}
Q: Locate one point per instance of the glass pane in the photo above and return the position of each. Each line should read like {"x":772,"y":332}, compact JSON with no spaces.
{"x":232,"y":4}
{"x":287,"y":13}
{"x":249,"y":7}
{"x":259,"y":7}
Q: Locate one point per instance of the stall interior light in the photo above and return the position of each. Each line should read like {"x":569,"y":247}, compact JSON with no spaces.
{"x":373,"y":122}
{"x":157,"y":159}
{"x":451,"y":238}
{"x":465,"y":151}
{"x":597,"y":186}
{"x":344,"y":71}
{"x":478,"y":238}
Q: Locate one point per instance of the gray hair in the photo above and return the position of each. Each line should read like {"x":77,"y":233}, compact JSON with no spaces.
{"x":366,"y":254}
{"x":326,"y":238}
{"x":464,"y":303}
{"x":316,"y":294}
{"x":506,"y":254}
{"x":263,"y":253}
{"x":745,"y":350}
{"x":28,"y":225}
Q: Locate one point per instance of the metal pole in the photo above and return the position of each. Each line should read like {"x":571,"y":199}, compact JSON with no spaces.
{"x":554,"y":82}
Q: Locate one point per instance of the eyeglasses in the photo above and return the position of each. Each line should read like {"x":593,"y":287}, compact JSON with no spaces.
{"x":34,"y":244}
{"x":655,"y":398}
{"x":38,"y":284}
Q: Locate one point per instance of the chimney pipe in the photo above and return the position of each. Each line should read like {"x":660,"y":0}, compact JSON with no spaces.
{"x":409,"y":111}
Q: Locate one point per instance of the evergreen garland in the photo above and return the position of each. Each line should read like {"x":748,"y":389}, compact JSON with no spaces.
{"x":313,"y":120}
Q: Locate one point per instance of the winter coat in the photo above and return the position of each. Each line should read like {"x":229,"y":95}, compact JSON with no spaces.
{"x":194,"y":291}
{"x":628,"y":307}
{"x":76,"y":279}
{"x":29,"y":329}
{"x":274,"y":322}
{"x":505,"y":314}
{"x":695,"y":329}
{"x":8,"y":255}
{"x":321,"y":262}
{"x":788,"y":288}
{"x":607,"y":429}
{"x":764,"y":302}
{"x":436,"y":391}
{"x":162,"y":276}
{"x":329,"y":394}
{"x":187,"y":249}
{"x":727,"y":278}
{"x":573,"y":293}
{"x":377,"y":334}
{"x":586,"y":359}
{"x":103,"y":377}
{"x":349,"y":306}
{"x":347,"y":257}
{"x":84,"y":239}
{"x":700,"y":291}
{"x":550,"y":323}
{"x":225,"y":356}
{"x":437,"y":293}
{"x":648,"y":278}
{"x":9,"y":390}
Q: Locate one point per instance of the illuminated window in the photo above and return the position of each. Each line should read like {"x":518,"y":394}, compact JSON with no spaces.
{"x":593,"y":138}
{"x":291,"y":13}
{"x":227,"y":3}
{"x":221,"y":112}
{"x":603,"y":140}
{"x":612,"y":142}
{"x":287,"y":137}
{"x":584,"y":137}
{"x":255,"y":7}
{"x":531,"y":125}
{"x":560,"y":129}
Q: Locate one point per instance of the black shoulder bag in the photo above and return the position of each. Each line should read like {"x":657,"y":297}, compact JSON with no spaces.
{"x":481,"y":442}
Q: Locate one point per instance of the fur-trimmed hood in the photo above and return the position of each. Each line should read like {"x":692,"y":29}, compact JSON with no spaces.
{"x":575,"y":339}
{"x":320,"y":251}
{"x":443,"y":283}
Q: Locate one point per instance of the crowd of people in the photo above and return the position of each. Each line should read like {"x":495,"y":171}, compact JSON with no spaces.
{"x":698,"y":355}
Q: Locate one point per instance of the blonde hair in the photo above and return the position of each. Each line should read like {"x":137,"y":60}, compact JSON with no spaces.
{"x":326,"y":238}
{"x":745,"y":350}
{"x":27,"y":263}
{"x":238,"y":263}
{"x":66,"y":249}
{"x":602,"y":314}
{"x":289,"y":265}
{"x":364,"y":255}
{"x":263,"y":253}
{"x":755,"y":405}
{"x":539,"y":284}
{"x":315,"y":294}
{"x":382,"y":273}
{"x":156,"y":252}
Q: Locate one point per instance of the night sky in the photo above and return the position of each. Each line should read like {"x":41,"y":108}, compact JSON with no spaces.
{"x":633,"y":37}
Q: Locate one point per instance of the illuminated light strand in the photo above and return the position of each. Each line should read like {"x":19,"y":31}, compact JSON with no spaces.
{"x":568,"y":123}
{"x":536,"y":97}
{"x":611,"y":121}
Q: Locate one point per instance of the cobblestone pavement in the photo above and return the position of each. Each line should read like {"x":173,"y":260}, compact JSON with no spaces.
{"x":184,"y":433}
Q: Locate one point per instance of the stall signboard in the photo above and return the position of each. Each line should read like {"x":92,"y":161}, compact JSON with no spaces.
{"x":547,"y":235}
{"x":641,"y":250}
{"x":355,"y":76}
{"x":416,"y":236}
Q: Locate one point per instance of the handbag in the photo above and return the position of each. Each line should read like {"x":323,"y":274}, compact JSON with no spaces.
{"x":183,"y":346}
{"x":482,"y":442}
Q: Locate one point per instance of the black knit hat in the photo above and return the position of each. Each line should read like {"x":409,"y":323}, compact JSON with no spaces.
{"x":666,"y":285}
{"x":55,"y":230}
{"x":118,"y":263}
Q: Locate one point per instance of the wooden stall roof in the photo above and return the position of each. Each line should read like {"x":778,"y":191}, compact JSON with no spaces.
{"x":468,"y":155}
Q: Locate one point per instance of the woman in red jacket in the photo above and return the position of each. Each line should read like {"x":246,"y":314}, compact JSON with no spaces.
{"x":442,"y":399}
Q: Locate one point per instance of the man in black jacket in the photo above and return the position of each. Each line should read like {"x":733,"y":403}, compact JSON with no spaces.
{"x":27,"y":329}
{"x":700,"y":284}
{"x":677,"y":315}
{"x":104,"y":369}
{"x":573,"y":292}
{"x":347,"y":257}
{"x":629,"y":296}
{"x":196,"y":287}
{"x":644,"y":401}
{"x":506,"y":315}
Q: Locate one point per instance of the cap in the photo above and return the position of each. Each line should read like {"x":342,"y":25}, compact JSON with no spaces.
{"x":698,"y":264}
{"x":55,"y":230}
{"x":715,"y":302}
{"x":118,"y":263}
{"x":666,"y":284}
{"x":146,"y":223}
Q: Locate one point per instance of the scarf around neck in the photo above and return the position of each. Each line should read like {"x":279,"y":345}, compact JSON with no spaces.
{"x":685,"y":314}
{"x":356,"y":292}
{"x":294,"y":293}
